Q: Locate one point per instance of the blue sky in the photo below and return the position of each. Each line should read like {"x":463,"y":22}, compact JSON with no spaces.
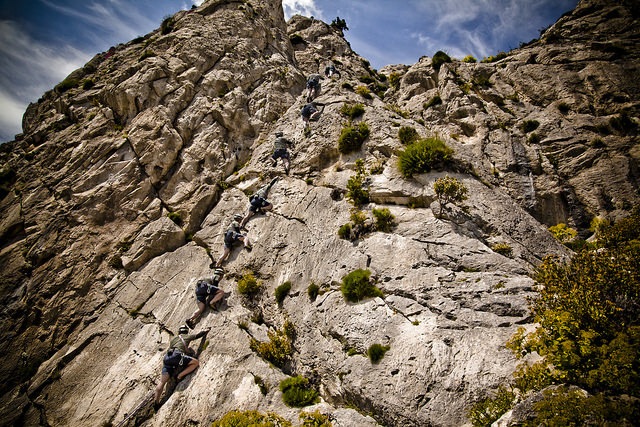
{"x":42,"y":41}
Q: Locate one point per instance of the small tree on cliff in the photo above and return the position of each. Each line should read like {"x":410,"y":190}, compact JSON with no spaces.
{"x":449,"y":190}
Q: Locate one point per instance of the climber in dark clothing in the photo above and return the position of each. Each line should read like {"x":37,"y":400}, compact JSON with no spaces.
{"x":207,"y":293}
{"x":310,"y":112}
{"x":231,"y":236}
{"x":330,"y":70}
{"x":313,"y":87}
{"x":280,"y":151}
{"x":259,"y":202}
{"x":180,"y":360}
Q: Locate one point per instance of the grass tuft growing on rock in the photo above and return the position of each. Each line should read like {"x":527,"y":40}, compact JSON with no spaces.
{"x":529,"y":125}
{"x":248,"y":284}
{"x":297,"y":392}
{"x":278,"y":350}
{"x":364,"y":92}
{"x":282,"y":291}
{"x":356,"y":286}
{"x":352,"y":111}
{"x":376,"y":352}
{"x":352,"y":137}
{"x":385,"y":220}
{"x":422,"y":156}
{"x":312,"y":291}
{"x":439,"y":58}
{"x":435,"y":100}
{"x":408,"y":135}
{"x":502,"y":249}
{"x":251,"y":418}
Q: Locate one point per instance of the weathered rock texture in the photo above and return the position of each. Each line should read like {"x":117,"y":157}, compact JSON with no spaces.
{"x":96,"y":277}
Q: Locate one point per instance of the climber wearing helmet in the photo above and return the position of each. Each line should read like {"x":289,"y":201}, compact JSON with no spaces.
{"x":330,"y":70}
{"x":231,"y":236}
{"x":281,"y":145}
{"x":180,"y":360}
{"x":207,"y":293}
{"x":259,"y":202}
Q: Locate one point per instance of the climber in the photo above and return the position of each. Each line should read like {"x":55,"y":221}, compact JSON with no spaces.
{"x":207,"y":293}
{"x":311,"y":113}
{"x":259,"y":202}
{"x":180,"y":360}
{"x":231,"y":236}
{"x":313,"y":87}
{"x":330,"y":70}
{"x":280,"y":151}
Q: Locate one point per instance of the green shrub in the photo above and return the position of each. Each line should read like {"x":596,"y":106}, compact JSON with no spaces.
{"x":282,"y":291}
{"x":364,"y":92}
{"x":355,"y":191}
{"x":485,"y":412}
{"x":439,"y":58}
{"x":344,"y":232}
{"x":497,"y":57}
{"x":67,"y":84}
{"x":358,"y":217}
{"x":352,"y":137}
{"x":277,"y":351}
{"x":563,"y":233}
{"x":563,"y":107}
{"x":384,"y":219}
{"x":570,"y":407}
{"x":422,"y":156}
{"x":352,"y":111}
{"x":408,"y":135}
{"x":502,"y":249}
{"x":339,"y":24}
{"x":529,"y":125}
{"x":249,"y":285}
{"x":598,"y":143}
{"x":366,"y":79}
{"x":167,"y":25}
{"x":449,"y":190}
{"x":87,"y":84}
{"x":297,"y":392}
{"x":588,"y":312}
{"x":296,"y":38}
{"x":251,"y":418}
{"x":400,"y":112}
{"x":315,"y":419}
{"x":481,"y":81}
{"x":534,"y":138}
{"x":435,"y":100}
{"x":146,"y":54}
{"x":347,"y":86}
{"x":469,"y":59}
{"x":356,"y":286}
{"x":312,"y":291}
{"x":394,"y":79}
{"x":175,"y":217}
{"x":376,"y":352}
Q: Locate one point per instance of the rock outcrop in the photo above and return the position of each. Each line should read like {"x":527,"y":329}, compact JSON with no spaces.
{"x":116,"y":197}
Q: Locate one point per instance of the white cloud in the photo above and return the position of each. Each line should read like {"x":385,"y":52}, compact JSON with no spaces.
{"x":300,"y":7}
{"x":11,"y":117}
{"x":27,"y":69}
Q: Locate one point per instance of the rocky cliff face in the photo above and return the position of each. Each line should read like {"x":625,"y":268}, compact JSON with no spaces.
{"x":96,"y":277}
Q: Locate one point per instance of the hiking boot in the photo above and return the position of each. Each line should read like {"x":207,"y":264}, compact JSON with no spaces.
{"x":190,"y":323}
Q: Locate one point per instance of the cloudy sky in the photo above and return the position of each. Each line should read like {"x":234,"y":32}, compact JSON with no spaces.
{"x":42,"y":41}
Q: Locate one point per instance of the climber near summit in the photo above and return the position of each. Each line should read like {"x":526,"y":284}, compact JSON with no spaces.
{"x":259,"y":202}
{"x":281,"y":145}
{"x":311,"y":113}
{"x":313,"y":87}
{"x":180,"y":360}
{"x":330,"y":70}
{"x":231,"y":236}
{"x":207,"y":293}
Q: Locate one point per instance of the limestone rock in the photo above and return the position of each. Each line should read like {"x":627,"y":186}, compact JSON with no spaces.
{"x":184,"y":122}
